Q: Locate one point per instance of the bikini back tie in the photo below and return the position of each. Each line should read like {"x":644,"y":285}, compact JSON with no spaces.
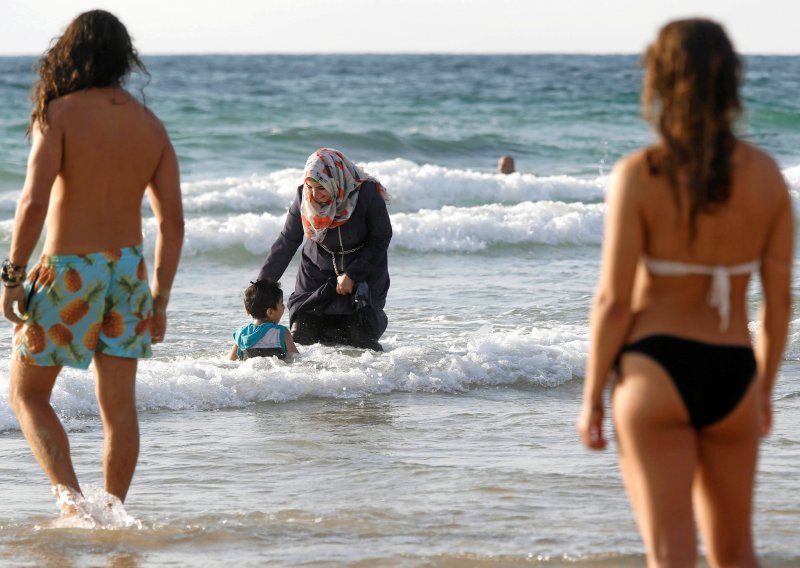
{"x":719,"y":295}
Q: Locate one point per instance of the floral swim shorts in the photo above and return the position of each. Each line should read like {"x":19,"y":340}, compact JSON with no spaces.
{"x":79,"y":304}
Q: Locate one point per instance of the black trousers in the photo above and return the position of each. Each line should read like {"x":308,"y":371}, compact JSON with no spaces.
{"x":333,"y":330}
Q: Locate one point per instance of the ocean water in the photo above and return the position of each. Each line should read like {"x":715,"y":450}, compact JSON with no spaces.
{"x":454,"y":447}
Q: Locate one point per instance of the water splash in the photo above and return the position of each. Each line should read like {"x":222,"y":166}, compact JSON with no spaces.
{"x":93,"y":509}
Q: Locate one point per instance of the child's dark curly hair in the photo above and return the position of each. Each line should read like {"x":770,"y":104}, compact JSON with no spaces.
{"x":262,"y":295}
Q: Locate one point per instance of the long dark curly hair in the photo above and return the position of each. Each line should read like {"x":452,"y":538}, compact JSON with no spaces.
{"x":94,"y":51}
{"x":691,"y":96}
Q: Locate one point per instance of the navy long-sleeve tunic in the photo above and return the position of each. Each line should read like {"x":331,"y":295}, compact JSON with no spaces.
{"x":314,"y":288}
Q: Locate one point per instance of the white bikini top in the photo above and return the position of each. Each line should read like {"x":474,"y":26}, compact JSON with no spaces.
{"x":719,"y":295}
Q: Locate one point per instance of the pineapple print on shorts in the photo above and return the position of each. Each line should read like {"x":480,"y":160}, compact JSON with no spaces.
{"x":76,"y":309}
{"x":128,"y":310}
{"x":82,"y":304}
{"x":29,"y":337}
{"x":143,"y":311}
{"x":113,"y":322}
{"x":73,"y":281}
{"x":59,"y":302}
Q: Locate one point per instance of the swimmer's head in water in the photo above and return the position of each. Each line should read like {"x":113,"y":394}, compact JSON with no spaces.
{"x":505,"y":165}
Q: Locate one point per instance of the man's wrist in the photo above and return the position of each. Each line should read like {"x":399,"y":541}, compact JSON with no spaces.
{"x":12,"y":275}
{"x":161,"y":296}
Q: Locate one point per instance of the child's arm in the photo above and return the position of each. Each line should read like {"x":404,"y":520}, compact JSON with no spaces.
{"x":235,"y":353}
{"x":289,"y":340}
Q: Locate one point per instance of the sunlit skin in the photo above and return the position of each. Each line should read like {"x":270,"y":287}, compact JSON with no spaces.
{"x":88,"y":170}
{"x":344,"y":284}
{"x":681,"y":477}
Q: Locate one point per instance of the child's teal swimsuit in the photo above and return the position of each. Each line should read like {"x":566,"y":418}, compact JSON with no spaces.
{"x":79,"y":304}
{"x":260,"y":340}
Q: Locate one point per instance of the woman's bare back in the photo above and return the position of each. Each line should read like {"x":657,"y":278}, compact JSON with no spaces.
{"x":734,"y":234}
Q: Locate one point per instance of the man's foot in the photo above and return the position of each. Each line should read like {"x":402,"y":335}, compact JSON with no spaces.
{"x":71,"y":502}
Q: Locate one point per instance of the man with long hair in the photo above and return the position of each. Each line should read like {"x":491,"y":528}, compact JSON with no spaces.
{"x":95,"y":151}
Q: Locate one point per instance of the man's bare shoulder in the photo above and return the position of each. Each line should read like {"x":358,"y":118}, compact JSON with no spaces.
{"x":64,"y":107}
{"x":153,"y":122}
{"x":90,"y":101}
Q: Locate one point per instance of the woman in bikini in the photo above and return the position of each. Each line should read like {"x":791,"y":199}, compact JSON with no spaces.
{"x":688,"y":220}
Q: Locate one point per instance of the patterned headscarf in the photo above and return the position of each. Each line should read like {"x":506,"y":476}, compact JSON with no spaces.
{"x":342,"y":179}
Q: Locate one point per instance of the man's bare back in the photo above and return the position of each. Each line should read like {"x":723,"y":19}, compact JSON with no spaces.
{"x":115,"y":147}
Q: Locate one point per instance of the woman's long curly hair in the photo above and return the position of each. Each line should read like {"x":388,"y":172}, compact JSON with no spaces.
{"x":94,"y":51}
{"x":691,"y":96}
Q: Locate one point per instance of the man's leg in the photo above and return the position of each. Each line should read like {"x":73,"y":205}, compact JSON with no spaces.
{"x":116,"y":394}
{"x":29,"y":394}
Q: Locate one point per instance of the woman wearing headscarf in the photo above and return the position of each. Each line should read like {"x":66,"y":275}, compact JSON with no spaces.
{"x":341,"y":286}
{"x":688,"y":221}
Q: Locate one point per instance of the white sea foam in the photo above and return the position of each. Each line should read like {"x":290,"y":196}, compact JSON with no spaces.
{"x":486,"y":357}
{"x":470,"y":229}
{"x":792,"y":176}
{"x":430,"y":187}
{"x":544,"y":357}
{"x":8,"y":202}
{"x":255,"y":233}
{"x":253,"y":193}
{"x":792,"y":352}
{"x":463,"y":229}
{"x":411,"y":185}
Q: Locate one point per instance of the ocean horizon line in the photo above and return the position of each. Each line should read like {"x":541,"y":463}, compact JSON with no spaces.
{"x":402,"y":54}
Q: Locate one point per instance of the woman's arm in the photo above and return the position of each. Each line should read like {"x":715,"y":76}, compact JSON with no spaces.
{"x":286,"y":245}
{"x":776,"y":280}
{"x":234,"y":355}
{"x":611,"y":315}
{"x":379,"y":235}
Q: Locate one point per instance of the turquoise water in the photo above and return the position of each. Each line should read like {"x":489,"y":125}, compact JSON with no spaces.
{"x":231,"y":115}
{"x":456,"y":446}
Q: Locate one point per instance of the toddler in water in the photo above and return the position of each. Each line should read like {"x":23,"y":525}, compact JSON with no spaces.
{"x":264,"y":337}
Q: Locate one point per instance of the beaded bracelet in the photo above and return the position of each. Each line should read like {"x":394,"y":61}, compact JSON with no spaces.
{"x":12,"y":275}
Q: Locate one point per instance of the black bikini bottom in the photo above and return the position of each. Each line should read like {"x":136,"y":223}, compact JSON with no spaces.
{"x":711,"y":379}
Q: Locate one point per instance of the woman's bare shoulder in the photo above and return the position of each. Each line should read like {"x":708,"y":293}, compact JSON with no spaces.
{"x":630,"y":175}
{"x":754,"y":158}
{"x":634,"y":163}
{"x":759,"y":171}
